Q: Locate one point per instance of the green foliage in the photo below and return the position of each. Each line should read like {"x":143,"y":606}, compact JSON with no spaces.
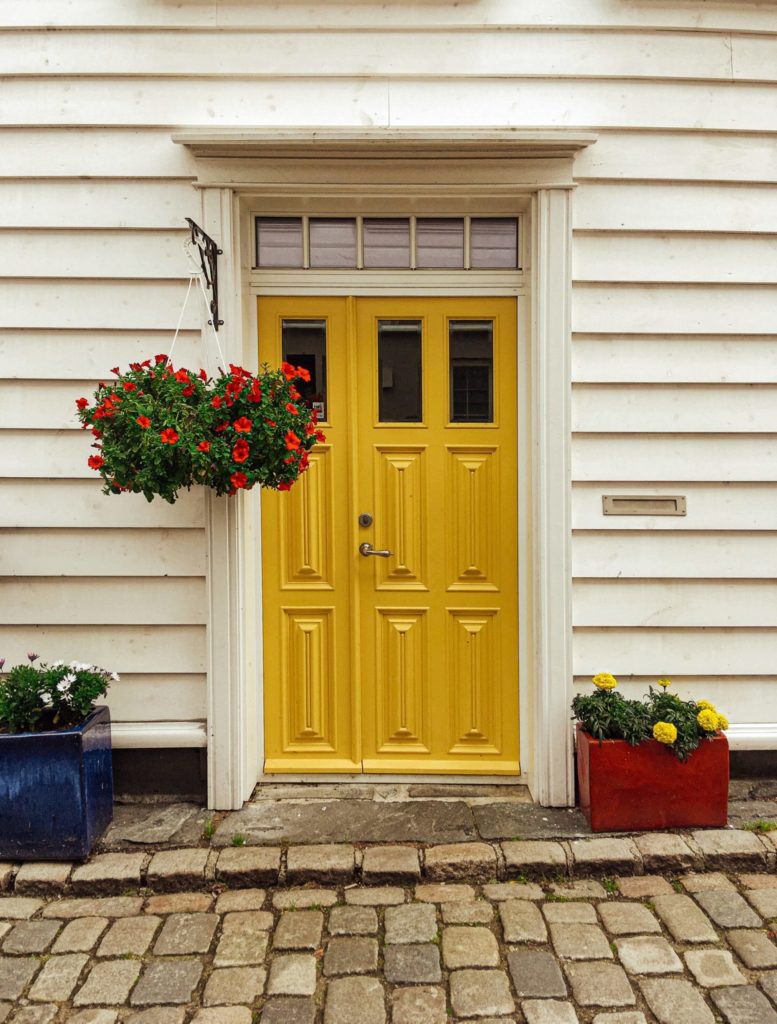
{"x":760,"y":825}
{"x":36,"y":698}
{"x":158,"y":429}
{"x":610,"y":886}
{"x":209,"y":829}
{"x":238,"y":839}
{"x":606,"y":715}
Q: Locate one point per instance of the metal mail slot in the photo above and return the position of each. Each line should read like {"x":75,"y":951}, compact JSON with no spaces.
{"x":643,"y":505}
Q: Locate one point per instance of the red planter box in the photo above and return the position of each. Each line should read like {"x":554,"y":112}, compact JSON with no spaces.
{"x":625,"y":789}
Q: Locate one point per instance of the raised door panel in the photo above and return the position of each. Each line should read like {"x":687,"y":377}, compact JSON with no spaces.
{"x":307,"y":520}
{"x":472,"y":487}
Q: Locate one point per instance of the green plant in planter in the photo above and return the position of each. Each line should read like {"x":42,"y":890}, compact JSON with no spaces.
{"x":660,"y":715}
{"x":158,"y":429}
{"x":37,"y":698}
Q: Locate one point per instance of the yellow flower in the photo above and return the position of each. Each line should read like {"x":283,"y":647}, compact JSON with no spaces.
{"x":664,"y":682}
{"x":706,"y":705}
{"x":604,"y":681}
{"x":664,"y":732}
{"x":722,"y":722}
{"x":708,"y":720}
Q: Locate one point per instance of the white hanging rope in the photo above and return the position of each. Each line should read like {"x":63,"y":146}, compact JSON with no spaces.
{"x":196,"y":274}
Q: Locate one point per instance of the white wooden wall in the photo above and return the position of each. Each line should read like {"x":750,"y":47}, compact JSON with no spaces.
{"x":675,"y":333}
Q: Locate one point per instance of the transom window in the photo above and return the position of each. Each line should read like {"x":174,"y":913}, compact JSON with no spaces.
{"x":387,"y":243}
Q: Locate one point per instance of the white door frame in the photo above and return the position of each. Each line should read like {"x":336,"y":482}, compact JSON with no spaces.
{"x":464,"y":165}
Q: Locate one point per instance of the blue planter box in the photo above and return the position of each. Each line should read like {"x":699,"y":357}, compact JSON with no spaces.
{"x":56,"y":790}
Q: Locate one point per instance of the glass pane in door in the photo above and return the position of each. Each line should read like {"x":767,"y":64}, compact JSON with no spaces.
{"x":399,"y":371}
{"x":304,"y":344}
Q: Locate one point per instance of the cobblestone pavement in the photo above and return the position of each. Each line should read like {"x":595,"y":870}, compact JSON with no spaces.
{"x":688,"y":948}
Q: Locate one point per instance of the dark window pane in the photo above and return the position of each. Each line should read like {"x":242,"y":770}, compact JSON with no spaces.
{"x":386,"y":242}
{"x":440,"y":243}
{"x":472,"y":371}
{"x":279,"y":241}
{"x":304,"y":344}
{"x":399,"y":371}
{"x":493,"y":243}
{"x":332,"y":242}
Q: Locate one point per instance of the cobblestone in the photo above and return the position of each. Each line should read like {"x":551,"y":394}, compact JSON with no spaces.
{"x":474,"y":862}
{"x":407,"y":953}
{"x":326,"y":864}
{"x":764,"y":901}
{"x":662,"y":851}
{"x":604,"y":856}
{"x":533,"y":858}
{"x":108,"y":873}
{"x":390,"y":864}
{"x":177,"y":870}
{"x":42,"y":878}
{"x":730,"y":849}
{"x":252,"y":865}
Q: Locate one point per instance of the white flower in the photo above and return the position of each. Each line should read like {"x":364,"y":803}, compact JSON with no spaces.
{"x":64,"y":685}
{"x":45,"y":699}
{"x":57,"y":664}
{"x":115,"y":676}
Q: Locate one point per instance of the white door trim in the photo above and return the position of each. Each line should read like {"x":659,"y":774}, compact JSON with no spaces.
{"x":234,"y":669}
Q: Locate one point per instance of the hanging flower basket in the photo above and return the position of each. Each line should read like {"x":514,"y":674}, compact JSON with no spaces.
{"x":158,"y":429}
{"x":655,"y":763}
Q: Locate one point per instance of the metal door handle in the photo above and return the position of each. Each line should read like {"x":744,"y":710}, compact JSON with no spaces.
{"x":367,"y":549}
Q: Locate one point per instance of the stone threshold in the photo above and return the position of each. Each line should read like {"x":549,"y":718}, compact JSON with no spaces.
{"x":243,"y":866}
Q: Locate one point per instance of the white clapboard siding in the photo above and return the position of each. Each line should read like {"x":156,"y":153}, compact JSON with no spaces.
{"x":118,"y":153}
{"x":675,"y":651}
{"x":400,"y":102}
{"x":651,"y":555}
{"x":659,"y":206}
{"x":623,"y":408}
{"x":690,"y":309}
{"x":97,"y":204}
{"x":81,"y":503}
{"x":709,"y":506}
{"x":695,"y":156}
{"x":674,"y":360}
{"x":28,"y":551}
{"x":89,"y":355}
{"x":277,"y":54}
{"x":654,"y":603}
{"x":143,"y":600}
{"x":125,"y":648}
{"x":195,"y":102}
{"x":727,"y":259}
{"x":154,"y":698}
{"x":93,"y":254}
{"x":741,"y":698}
{"x":605,"y":104}
{"x":65,"y":303}
{"x":236,"y":14}
{"x":667,"y":457}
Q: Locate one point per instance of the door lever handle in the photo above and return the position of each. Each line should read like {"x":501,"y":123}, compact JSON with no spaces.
{"x":367,"y":549}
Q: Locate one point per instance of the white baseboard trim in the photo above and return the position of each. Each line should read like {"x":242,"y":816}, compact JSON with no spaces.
{"x":753,"y":736}
{"x":140,"y":735}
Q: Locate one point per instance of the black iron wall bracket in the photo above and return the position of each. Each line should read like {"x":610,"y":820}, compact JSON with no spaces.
{"x":209,"y":253}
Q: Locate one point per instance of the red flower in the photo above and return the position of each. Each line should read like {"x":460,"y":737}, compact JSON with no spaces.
{"x":288,"y":371}
{"x":320,"y":436}
{"x":293,"y":392}
{"x":292,"y":441}
{"x":243,"y":425}
{"x":238,"y":480}
{"x":95,"y":461}
{"x":292,"y":409}
{"x":115,"y":369}
{"x":182,"y":376}
{"x":188,"y":391}
{"x":144,"y":421}
{"x":82,"y":403}
{"x":169,"y":436}
{"x":271,"y":423}
{"x":221,"y":427}
{"x":96,"y":432}
{"x":284,"y":487}
{"x":203,"y":375}
{"x":303,"y":374}
{"x":216,"y":403}
{"x":160,"y":359}
{"x":203,"y":446}
{"x":129,"y":386}
{"x":255,"y":394}
{"x":241,"y":451}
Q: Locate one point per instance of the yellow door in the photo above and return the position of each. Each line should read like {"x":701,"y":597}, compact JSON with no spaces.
{"x":390,"y":570}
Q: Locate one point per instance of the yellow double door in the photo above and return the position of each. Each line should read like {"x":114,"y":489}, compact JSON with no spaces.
{"x":390,"y":575}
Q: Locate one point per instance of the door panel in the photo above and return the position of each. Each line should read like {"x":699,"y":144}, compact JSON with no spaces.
{"x":405,"y":663}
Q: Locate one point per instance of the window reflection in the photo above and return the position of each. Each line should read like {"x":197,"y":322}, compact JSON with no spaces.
{"x":471,"y":371}
{"x":399,"y":371}
{"x":304,"y":344}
